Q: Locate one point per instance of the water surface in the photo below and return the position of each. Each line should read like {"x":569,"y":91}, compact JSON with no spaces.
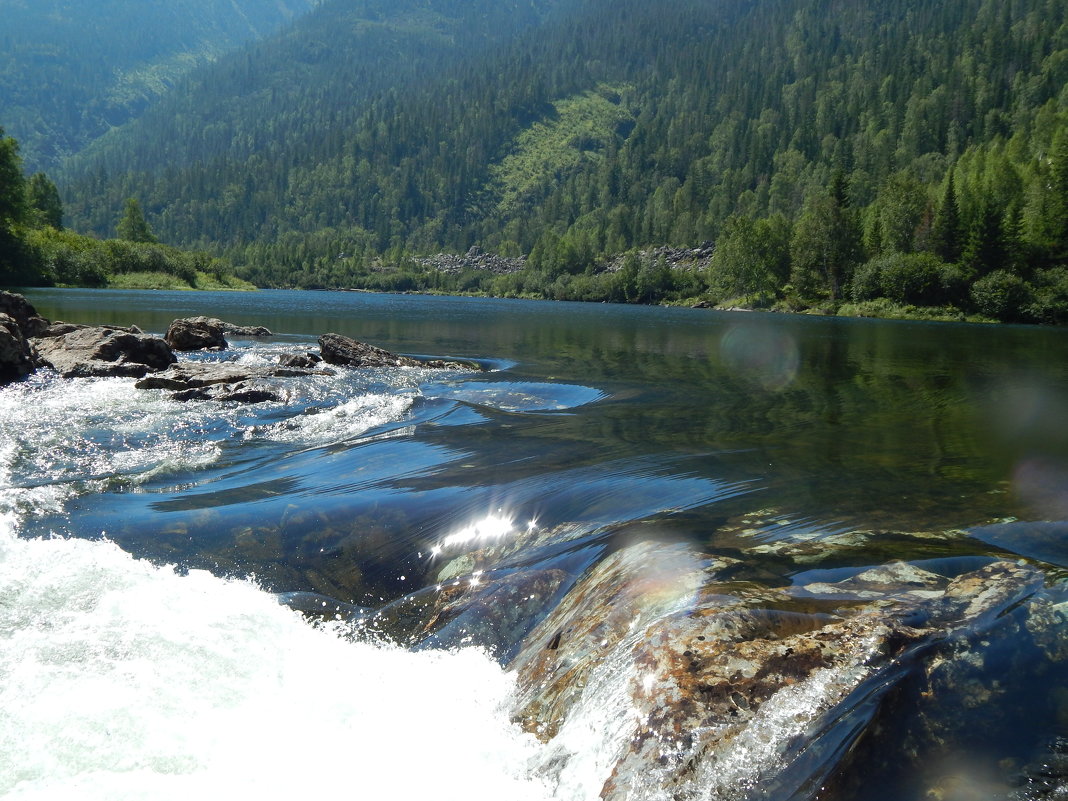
{"x":609,"y":423}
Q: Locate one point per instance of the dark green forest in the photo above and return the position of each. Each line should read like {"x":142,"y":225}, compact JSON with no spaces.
{"x":70,"y":71}
{"x":36,"y":250}
{"x":838,"y":155}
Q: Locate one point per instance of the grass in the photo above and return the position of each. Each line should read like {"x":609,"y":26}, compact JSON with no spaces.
{"x":147,"y":280}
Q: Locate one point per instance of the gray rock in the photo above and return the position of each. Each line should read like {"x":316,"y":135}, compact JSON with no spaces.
{"x":343,"y":351}
{"x":16,"y":360}
{"x":231,"y":328}
{"x":302,"y":360}
{"x":196,"y":334}
{"x":104,"y":352}
{"x":346,"y":352}
{"x":23,"y":313}
{"x":196,"y":375}
{"x":59,"y":328}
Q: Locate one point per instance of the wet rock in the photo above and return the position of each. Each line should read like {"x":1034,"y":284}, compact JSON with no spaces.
{"x":302,"y":360}
{"x":716,"y":699}
{"x":200,"y":333}
{"x":241,"y":392}
{"x":494,"y":611}
{"x":240,"y":331}
{"x":103,"y":351}
{"x":346,"y":352}
{"x":197,"y":375}
{"x":16,"y":359}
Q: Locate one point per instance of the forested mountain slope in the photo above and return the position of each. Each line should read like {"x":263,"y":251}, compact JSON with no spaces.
{"x":617,"y":125}
{"x":72,"y":69}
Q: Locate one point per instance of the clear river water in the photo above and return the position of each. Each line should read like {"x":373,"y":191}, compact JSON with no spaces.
{"x":145,"y":543}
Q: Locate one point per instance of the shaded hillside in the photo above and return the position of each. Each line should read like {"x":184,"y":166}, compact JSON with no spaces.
{"x":612,"y":126}
{"x":70,"y":71}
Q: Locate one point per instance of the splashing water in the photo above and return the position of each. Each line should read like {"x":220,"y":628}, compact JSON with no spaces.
{"x":122,"y":680}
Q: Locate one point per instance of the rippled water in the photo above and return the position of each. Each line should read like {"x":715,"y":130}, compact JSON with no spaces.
{"x":144,"y":652}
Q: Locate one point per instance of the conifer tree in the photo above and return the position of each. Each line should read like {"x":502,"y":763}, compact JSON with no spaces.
{"x":985,"y":250}
{"x":132,"y":225}
{"x":43,"y":198}
{"x":946,"y":230}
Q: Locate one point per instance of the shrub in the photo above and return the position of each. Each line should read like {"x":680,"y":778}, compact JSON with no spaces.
{"x":1002,"y":295}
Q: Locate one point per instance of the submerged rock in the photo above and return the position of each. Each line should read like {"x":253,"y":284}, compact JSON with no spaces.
{"x":718,"y":699}
{"x":103,"y":351}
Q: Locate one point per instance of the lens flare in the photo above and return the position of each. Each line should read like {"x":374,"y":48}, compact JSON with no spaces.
{"x":768,"y":355}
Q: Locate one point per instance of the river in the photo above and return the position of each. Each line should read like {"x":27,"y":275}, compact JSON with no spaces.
{"x":146,"y":542}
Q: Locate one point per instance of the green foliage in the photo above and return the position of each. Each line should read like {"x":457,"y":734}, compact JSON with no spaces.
{"x":914,"y":278}
{"x":14,"y":211}
{"x":804,"y":138}
{"x":43,"y":198}
{"x":72,"y":71}
{"x":752,"y":257}
{"x":947,"y":233}
{"x":1003,"y":296}
{"x":132,"y":225}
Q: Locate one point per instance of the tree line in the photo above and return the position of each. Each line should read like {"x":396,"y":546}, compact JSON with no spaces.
{"x":835,"y":153}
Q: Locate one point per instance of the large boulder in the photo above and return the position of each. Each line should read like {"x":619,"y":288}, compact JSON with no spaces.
{"x":16,"y":360}
{"x":19,"y":322}
{"x":208,"y":333}
{"x":346,"y":352}
{"x":195,"y":334}
{"x":103,"y":352}
{"x":23,"y":313}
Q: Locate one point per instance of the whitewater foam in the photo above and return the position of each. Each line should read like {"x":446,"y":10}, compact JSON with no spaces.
{"x":123,"y":680}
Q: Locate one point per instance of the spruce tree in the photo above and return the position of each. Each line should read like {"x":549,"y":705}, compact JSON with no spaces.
{"x":985,"y":250}
{"x":132,"y":225}
{"x":947,"y":232}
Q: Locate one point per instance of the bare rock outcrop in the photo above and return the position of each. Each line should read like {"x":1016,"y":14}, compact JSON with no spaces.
{"x":103,"y":351}
{"x":196,"y":334}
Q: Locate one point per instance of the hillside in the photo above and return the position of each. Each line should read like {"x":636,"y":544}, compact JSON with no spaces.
{"x":69,"y":70}
{"x":597,"y":127}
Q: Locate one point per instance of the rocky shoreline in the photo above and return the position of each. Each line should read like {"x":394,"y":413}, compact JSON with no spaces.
{"x":28,"y":343}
